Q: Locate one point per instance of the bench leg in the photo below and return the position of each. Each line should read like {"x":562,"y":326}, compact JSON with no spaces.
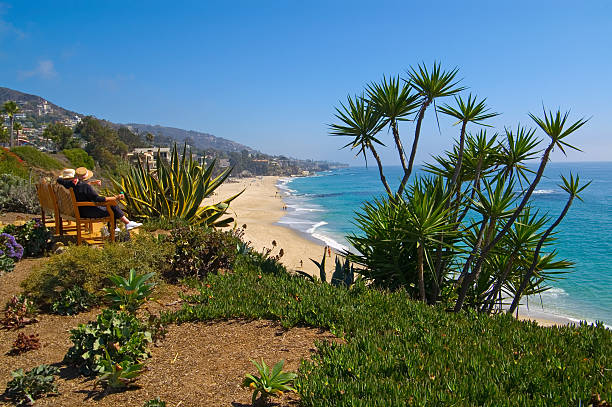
{"x":79,"y":238}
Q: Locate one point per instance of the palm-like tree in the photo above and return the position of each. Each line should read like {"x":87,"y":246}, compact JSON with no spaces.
{"x":11,"y":108}
{"x":520,"y":146}
{"x":554,"y":125}
{"x":427,"y":221}
{"x":362,"y":122}
{"x":393,"y":102}
{"x":469,"y":111}
{"x":573,"y":188}
{"x":429,"y":86}
{"x":519,"y":240}
{"x":494,"y":206}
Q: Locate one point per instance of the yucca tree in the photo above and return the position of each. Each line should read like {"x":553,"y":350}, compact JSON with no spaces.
{"x":427,"y":221}
{"x":361,"y":121}
{"x":469,"y":111}
{"x":519,"y":147}
{"x":394,"y":102}
{"x":429,"y":86}
{"x":494,"y":204}
{"x":10,"y":108}
{"x":554,"y":126}
{"x":477,"y":233}
{"x":573,"y":188}
{"x":521,"y":239}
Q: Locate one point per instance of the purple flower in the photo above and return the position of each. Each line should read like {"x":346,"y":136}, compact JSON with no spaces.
{"x":9,"y":247}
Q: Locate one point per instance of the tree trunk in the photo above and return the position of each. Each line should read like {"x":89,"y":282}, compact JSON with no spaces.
{"x":536,"y":255}
{"x":12,"y":140}
{"x":380,"y":169}
{"x":420,"y":260}
{"x":471,"y":277}
{"x":490,"y":300}
{"x":417,"y":133}
{"x":459,"y":156}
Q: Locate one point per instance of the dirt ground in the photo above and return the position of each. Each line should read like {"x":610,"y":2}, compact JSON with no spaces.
{"x":195,"y":365}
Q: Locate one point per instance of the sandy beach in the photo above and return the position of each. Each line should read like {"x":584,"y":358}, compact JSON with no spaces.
{"x":260,"y":207}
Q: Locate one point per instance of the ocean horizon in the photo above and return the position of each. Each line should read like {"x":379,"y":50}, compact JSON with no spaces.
{"x":322,"y":207}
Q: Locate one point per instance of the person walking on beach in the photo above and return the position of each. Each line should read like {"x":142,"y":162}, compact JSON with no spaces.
{"x":84,"y":192}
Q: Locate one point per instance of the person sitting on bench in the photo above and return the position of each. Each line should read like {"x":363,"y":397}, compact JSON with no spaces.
{"x":84,"y":192}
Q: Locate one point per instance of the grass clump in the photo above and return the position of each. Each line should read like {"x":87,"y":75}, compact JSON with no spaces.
{"x":36,"y":158}
{"x":79,"y":158}
{"x":402,"y":352}
{"x":91,"y":268}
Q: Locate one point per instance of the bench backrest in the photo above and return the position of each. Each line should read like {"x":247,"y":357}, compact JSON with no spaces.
{"x":64,"y":200}
{"x":45,"y":195}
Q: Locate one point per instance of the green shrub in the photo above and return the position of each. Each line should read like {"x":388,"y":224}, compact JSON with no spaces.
{"x":91,"y":267}
{"x":200,"y":251}
{"x":79,"y":158}
{"x":26,"y":387}
{"x":154,"y":224}
{"x":32,"y":235}
{"x":10,"y":163}
{"x":17,"y":195}
{"x":117,"y":375}
{"x":401,"y":352}
{"x":73,"y":301}
{"x":36,"y":158}
{"x":114,"y":335}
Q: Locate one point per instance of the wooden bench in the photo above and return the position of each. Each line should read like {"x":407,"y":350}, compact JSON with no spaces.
{"x":68,"y":208}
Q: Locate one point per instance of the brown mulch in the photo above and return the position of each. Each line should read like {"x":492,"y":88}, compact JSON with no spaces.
{"x":199,"y":364}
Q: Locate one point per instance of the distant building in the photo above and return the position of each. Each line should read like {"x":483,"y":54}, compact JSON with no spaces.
{"x":44,"y":108}
{"x":147,"y":155}
{"x":224,"y":162}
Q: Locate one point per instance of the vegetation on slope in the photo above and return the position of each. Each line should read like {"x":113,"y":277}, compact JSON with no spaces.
{"x":36,"y":158}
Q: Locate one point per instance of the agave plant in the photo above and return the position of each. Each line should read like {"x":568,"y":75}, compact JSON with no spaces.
{"x":175,"y":190}
{"x":129,"y":293}
{"x":270,"y":383}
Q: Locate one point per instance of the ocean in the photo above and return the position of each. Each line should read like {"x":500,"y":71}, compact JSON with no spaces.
{"x":322,"y":207}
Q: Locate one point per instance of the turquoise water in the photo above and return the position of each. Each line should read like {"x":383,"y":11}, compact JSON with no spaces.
{"x":322,"y":206}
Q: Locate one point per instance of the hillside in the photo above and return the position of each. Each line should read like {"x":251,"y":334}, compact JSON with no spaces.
{"x":37,"y":112}
{"x":200,"y":140}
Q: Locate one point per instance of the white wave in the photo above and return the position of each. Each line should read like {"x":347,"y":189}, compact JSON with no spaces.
{"x":302,"y":209}
{"x":330,"y":242}
{"x":285,"y":221}
{"x":315,"y":226}
{"x":544,"y":191}
{"x":555,"y":293}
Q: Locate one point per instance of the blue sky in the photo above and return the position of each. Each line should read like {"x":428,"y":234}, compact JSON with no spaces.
{"x":268,"y":74}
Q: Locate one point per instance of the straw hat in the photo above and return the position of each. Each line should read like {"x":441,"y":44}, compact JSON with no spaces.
{"x":83,"y":173}
{"x":67,"y":173}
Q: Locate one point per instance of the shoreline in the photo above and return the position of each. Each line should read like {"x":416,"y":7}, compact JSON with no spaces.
{"x":260,"y":207}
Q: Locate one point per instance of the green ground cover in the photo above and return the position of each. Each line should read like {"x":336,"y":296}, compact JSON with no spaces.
{"x":395,"y":351}
{"x":36,"y":158}
{"x":11,"y":163}
{"x":402,"y":352}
